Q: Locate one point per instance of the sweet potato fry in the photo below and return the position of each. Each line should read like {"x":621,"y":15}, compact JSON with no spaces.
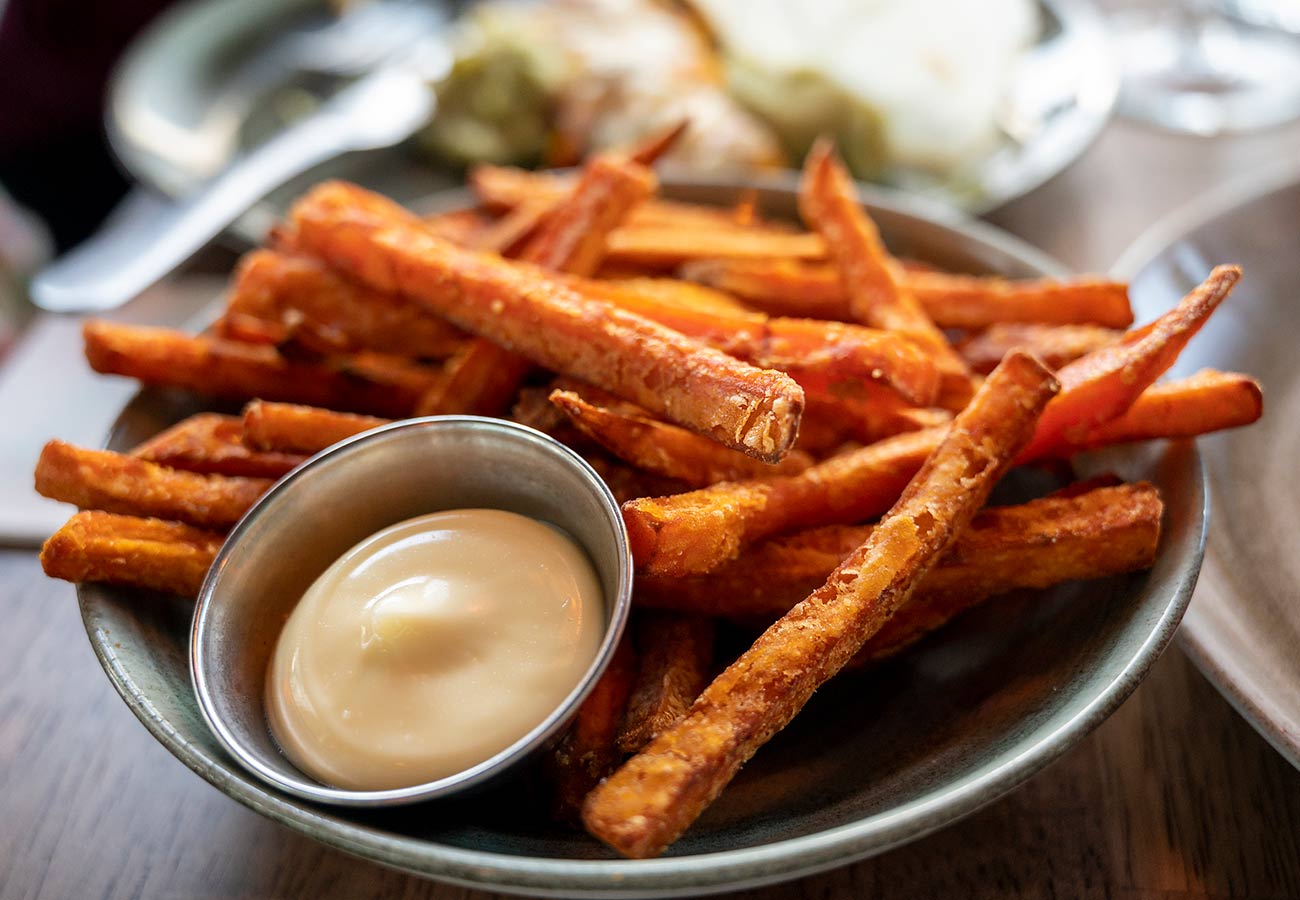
{"x":1101,"y":386}
{"x":650,"y":148}
{"x":308,"y":296}
{"x":1104,"y":531}
{"x":1055,"y":345}
{"x":481,"y":380}
{"x":521,"y":308}
{"x":113,"y":482}
{"x":821,"y":356}
{"x":503,"y":189}
{"x":676,"y":651}
{"x":1208,"y":401}
{"x":696,"y":532}
{"x":248,"y":329}
{"x":508,"y":232}
{"x":778,"y":286}
{"x":213,"y":444}
{"x":147,"y":553}
{"x":971,"y":301}
{"x":362,"y":382}
{"x":1111,"y":540}
{"x":662,"y":247}
{"x":288,"y":428}
{"x":669,"y":292}
{"x":627,"y":483}
{"x":666,"y":449}
{"x":588,"y":751}
{"x":789,"y":287}
{"x":460,"y":226}
{"x":877,"y":295}
{"x":647,"y":803}
{"x":572,"y":237}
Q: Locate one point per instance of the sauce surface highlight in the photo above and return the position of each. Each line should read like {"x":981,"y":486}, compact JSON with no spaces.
{"x":432,"y":645}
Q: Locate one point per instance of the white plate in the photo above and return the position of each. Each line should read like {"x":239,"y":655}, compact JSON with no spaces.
{"x":179,"y":108}
{"x":1243,"y":628}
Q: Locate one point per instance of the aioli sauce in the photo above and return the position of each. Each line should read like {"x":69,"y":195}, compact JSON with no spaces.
{"x":430,"y":646}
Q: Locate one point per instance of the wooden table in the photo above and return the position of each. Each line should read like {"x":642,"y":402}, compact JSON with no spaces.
{"x":1173,"y":797}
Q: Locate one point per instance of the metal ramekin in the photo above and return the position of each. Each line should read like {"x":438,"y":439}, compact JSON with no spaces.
{"x":348,"y":492}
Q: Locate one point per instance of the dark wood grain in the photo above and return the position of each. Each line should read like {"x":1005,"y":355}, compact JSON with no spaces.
{"x":1173,"y":797}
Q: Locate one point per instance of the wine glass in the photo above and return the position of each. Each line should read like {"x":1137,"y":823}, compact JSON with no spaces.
{"x":1189,"y":67}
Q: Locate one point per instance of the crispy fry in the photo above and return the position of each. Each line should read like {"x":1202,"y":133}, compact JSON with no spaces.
{"x":503,"y":189}
{"x":289,"y":428}
{"x":1101,"y":386}
{"x":112,"y":482}
{"x":1055,"y":345}
{"x":778,"y":286}
{"x":877,"y":295}
{"x":1206,"y":402}
{"x":821,"y":356}
{"x":626,"y":482}
{"x":695,"y":533}
{"x":482,"y":380}
{"x":1104,"y":531}
{"x":572,"y":237}
{"x":662,"y":246}
{"x":147,"y":553}
{"x":251,"y":330}
{"x":667,"y":450}
{"x":789,"y":287}
{"x":1111,"y":540}
{"x":668,"y":292}
{"x":213,"y":444}
{"x":647,"y":803}
{"x":650,"y":148}
{"x":460,"y":226}
{"x":363,"y":382}
{"x":970,"y":301}
{"x":307,"y":296}
{"x":524,"y":310}
{"x":589,"y":750}
{"x":509,"y":231}
{"x":676,"y":651}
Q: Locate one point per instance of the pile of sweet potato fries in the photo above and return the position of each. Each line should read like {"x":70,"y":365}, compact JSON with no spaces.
{"x":803,"y":431}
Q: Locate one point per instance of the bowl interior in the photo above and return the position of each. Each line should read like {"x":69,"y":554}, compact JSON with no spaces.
{"x":348,"y":493}
{"x":875,"y":760}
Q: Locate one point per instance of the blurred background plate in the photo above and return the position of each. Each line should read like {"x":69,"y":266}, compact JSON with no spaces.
{"x":191,"y":93}
{"x":1243,"y":630}
{"x":877,"y":760}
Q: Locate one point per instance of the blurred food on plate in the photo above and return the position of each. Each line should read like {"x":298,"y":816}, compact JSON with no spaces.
{"x":916,"y":84}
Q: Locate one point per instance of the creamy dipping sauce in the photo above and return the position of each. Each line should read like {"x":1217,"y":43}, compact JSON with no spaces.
{"x":432,"y":645}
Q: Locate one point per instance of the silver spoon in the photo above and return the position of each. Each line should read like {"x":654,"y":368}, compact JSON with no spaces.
{"x":380,"y":110}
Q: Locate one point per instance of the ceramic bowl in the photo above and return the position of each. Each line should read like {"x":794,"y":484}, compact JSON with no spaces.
{"x":874,"y":761}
